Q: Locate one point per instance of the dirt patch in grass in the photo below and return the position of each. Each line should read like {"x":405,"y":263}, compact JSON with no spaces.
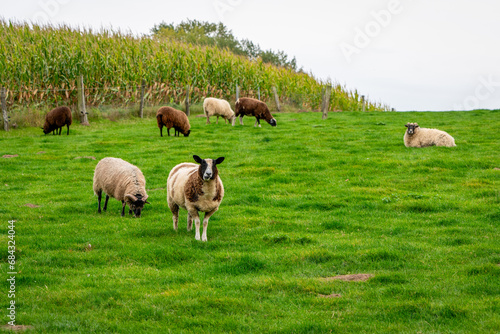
{"x":10,"y":156}
{"x":16,"y":328}
{"x":333,"y":295}
{"x":29,"y":205}
{"x":41,"y":152}
{"x":350,"y":278}
{"x":92,"y":158}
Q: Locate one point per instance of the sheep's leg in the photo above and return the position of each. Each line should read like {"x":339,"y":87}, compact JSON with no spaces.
{"x":106,"y":203}
{"x":123,"y":208}
{"x":225,"y":120}
{"x":168,"y":131}
{"x":67,"y":125}
{"x":189,"y":222}
{"x":208,"y":120}
{"x":99,"y":196}
{"x":60,"y":130}
{"x":161,"y":131}
{"x":217,"y":122}
{"x":175,"y":214}
{"x":194,"y":215}
{"x":241,"y":120}
{"x":205,"y":224}
{"x":257,"y":121}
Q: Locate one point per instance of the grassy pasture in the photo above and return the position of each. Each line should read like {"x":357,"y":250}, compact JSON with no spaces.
{"x":305,"y":201}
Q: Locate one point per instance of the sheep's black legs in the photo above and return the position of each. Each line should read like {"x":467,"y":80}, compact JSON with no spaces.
{"x":161,"y":131}
{"x":241,"y":120}
{"x":60,"y":130}
{"x":99,"y":196}
{"x":168,"y":131}
{"x":123,"y":208}
{"x":68,"y":129}
{"x":106,"y":202}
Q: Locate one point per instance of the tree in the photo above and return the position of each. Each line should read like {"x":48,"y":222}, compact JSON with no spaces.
{"x":217,"y":34}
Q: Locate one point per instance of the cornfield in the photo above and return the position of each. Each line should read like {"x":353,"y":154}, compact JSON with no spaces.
{"x":40,"y":64}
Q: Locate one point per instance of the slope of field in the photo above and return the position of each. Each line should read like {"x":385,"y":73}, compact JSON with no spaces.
{"x":305,"y":201}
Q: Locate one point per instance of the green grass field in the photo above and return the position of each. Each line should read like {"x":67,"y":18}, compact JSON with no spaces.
{"x":305,"y":201}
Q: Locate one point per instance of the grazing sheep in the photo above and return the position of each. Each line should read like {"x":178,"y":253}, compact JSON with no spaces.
{"x":195,"y":188}
{"x":218,"y":107}
{"x":416,"y":136}
{"x":253,"y":107}
{"x":56,"y":119}
{"x":122,"y":181}
{"x":173,"y":118}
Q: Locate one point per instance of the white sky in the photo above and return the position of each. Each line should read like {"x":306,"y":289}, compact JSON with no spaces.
{"x":409,"y":54}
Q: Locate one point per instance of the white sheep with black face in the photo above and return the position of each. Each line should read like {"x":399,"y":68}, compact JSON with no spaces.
{"x":195,"y":188}
{"x":123,"y":181}
{"x":416,"y":136}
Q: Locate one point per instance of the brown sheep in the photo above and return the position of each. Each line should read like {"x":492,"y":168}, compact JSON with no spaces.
{"x":253,"y":107}
{"x":173,"y":118}
{"x":56,"y":119}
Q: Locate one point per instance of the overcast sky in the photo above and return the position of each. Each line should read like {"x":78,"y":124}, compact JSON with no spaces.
{"x":408,"y":54}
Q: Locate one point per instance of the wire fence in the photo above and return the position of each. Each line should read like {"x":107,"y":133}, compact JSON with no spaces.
{"x":160,"y":94}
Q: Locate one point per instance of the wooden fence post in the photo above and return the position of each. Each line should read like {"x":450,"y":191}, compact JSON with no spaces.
{"x":3,"y":97}
{"x":143,"y":88}
{"x":187,"y":100}
{"x":276,"y":99}
{"x":325,"y":103}
{"x":81,"y":102}
{"x":363,"y":103}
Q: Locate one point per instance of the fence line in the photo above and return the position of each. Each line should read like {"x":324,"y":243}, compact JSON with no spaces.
{"x":161,"y":93}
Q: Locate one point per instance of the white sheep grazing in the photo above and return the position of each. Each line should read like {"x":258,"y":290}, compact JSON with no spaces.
{"x":122,"y":181}
{"x":218,"y":107}
{"x":195,"y":188}
{"x":416,"y":136}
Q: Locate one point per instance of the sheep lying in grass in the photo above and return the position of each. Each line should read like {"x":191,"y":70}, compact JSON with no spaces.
{"x":56,"y":119}
{"x":416,"y":136}
{"x":195,"y":188}
{"x":253,"y":107}
{"x":218,"y":107}
{"x":173,"y":118}
{"x":122,"y":181}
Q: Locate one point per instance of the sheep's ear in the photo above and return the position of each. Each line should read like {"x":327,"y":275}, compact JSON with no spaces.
{"x":197,"y":159}
{"x":219,"y":160}
{"x":407,"y":124}
{"x":132,"y":198}
{"x":416,"y":125}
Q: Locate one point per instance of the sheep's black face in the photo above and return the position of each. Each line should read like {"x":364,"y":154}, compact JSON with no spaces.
{"x":187,"y":133}
{"x":411,"y":128}
{"x":137,"y":207}
{"x":136,"y":204}
{"x":208,"y":167}
{"x":272,"y":122}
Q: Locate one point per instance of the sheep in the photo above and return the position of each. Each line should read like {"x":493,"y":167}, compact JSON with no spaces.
{"x":173,"y":118}
{"x":195,"y":188}
{"x":218,"y":107}
{"x":56,"y":119}
{"x":416,"y":136}
{"x":253,"y":107}
{"x":123,"y":181}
